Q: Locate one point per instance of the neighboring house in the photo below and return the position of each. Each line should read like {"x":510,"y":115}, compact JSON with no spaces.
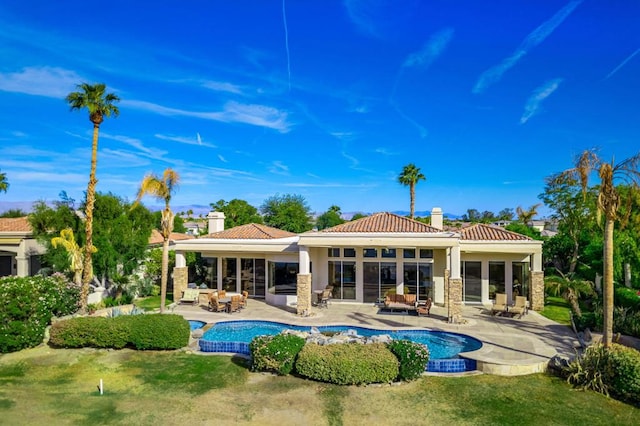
{"x":195,"y":227}
{"x":19,"y":251}
{"x":368,"y":258}
{"x":156,"y":239}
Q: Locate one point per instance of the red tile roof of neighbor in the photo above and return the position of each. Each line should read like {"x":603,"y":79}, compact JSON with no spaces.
{"x":251,"y":231}
{"x":15,"y":224}
{"x":157,"y":238}
{"x":383,"y":222}
{"x":484,"y":232}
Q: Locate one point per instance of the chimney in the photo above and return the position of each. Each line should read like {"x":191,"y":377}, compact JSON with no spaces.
{"x":436,"y":218}
{"x":216,"y":222}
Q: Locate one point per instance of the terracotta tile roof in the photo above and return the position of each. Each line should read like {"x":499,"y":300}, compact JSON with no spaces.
{"x":15,"y":224}
{"x":157,"y":238}
{"x":251,"y":231}
{"x":383,"y":222}
{"x":484,"y":232}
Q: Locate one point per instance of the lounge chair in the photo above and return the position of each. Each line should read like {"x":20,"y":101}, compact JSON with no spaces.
{"x":424,"y":309}
{"x":234,"y":305}
{"x":215,"y":305}
{"x":520,"y":307}
{"x":500,"y":305}
{"x":324,"y":299}
{"x":190,"y":295}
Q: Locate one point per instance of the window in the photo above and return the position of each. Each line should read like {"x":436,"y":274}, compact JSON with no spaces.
{"x":333,"y":252}
{"x":252,"y":276}
{"x":370,"y":252}
{"x":283,"y":278}
{"x":389,"y":252}
{"x":209,"y":272}
{"x":418,"y":280}
{"x":472,"y":281}
{"x":496,"y":279}
{"x":349,"y":252}
{"x":342,"y":276}
{"x":409,"y":253}
{"x":229,"y":274}
{"x":520,"y":280}
{"x":426,"y":254}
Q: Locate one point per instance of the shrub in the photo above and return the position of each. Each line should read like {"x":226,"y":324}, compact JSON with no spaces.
{"x":275,"y":353}
{"x":158,"y":331}
{"x":614,"y":371}
{"x":348,"y":363}
{"x":154,"y":331}
{"x":27,"y":305}
{"x":412,"y":357}
{"x":627,"y":298}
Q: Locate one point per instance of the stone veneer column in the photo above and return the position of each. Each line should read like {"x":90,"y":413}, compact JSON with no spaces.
{"x":537,"y":291}
{"x":180,"y":279}
{"x":455,"y":300}
{"x":304,"y":294}
{"x":447,"y":274}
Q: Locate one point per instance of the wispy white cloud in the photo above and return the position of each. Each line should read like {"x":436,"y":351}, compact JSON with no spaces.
{"x":51,"y":82}
{"x":184,"y":140}
{"x":278,"y":168}
{"x":534,"y":102}
{"x":537,"y":36}
{"x":135,"y":143}
{"x":431,"y":50}
{"x":233,"y":112}
{"x":221,"y":158}
{"x":360,"y":13}
{"x":622,"y":64}
{"x":329,"y":185}
{"x":222,"y":86}
{"x":384,"y":151}
{"x":354,"y":161}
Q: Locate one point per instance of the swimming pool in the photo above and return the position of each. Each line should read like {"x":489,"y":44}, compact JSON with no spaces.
{"x":444,"y":347}
{"x":194,"y":325}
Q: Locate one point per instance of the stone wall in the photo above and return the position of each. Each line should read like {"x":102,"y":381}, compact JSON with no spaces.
{"x":180,"y":280}
{"x":455,"y":301}
{"x":304,"y":295}
{"x":537,"y":291}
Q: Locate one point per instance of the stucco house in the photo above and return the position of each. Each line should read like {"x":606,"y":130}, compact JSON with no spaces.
{"x":367,"y":258}
{"x":19,"y":251}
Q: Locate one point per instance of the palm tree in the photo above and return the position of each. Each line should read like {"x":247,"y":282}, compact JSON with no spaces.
{"x":162,"y":188}
{"x":608,"y":202}
{"x":74,"y":251}
{"x":410,"y":176}
{"x":570,"y":289}
{"x":100,"y":105}
{"x":525,"y":216}
{"x":4,"y":184}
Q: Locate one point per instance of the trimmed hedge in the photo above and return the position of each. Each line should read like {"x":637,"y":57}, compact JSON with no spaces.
{"x":614,"y":371}
{"x":412,"y":357}
{"x":142,"y":332}
{"x":348,"y":363}
{"x":275,"y":353}
{"x":27,"y":305}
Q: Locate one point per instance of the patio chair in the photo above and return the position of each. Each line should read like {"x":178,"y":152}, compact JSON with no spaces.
{"x":234,"y":305}
{"x":190,"y":295}
{"x":215,"y":305}
{"x":324,"y":299}
{"x":500,"y":305}
{"x":243,"y":299}
{"x":222,"y":294}
{"x":424,"y":309}
{"x":520,"y":307}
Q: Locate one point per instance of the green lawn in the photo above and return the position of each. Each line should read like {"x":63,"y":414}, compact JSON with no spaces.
{"x":152,"y":302}
{"x":557,"y":309}
{"x":46,"y":386}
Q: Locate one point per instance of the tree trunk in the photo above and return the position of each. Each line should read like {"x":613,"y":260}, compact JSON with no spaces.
{"x":412,"y":192}
{"x":87,"y":273}
{"x":574,"y":257}
{"x":165,"y":274}
{"x":607,"y":305}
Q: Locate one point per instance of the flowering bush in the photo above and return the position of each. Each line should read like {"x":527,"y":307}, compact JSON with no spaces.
{"x":27,"y":305}
{"x":275,"y":353}
{"x":413,"y":358}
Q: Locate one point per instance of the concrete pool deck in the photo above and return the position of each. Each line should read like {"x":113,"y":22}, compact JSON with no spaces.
{"x":510,"y":346}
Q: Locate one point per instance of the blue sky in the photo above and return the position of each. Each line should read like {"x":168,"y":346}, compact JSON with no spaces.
{"x":326,"y":99}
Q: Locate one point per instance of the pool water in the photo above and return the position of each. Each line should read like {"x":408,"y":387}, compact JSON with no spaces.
{"x":194,"y":325}
{"x":442,"y":345}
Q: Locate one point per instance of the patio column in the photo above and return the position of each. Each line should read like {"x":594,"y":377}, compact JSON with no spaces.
{"x":180,"y":278}
{"x":181,"y":260}
{"x":303,"y":289}
{"x":537,"y":282}
{"x":454,"y":288}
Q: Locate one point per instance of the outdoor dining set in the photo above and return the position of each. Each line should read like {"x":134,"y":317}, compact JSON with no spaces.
{"x":219,"y":301}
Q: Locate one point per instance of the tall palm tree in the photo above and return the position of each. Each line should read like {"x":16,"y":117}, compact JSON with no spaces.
{"x":609,"y":200}
{"x":161,"y":188}
{"x":410,"y":176}
{"x":4,"y":184}
{"x":570,"y":289}
{"x":525,"y":216}
{"x":100,"y":105}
